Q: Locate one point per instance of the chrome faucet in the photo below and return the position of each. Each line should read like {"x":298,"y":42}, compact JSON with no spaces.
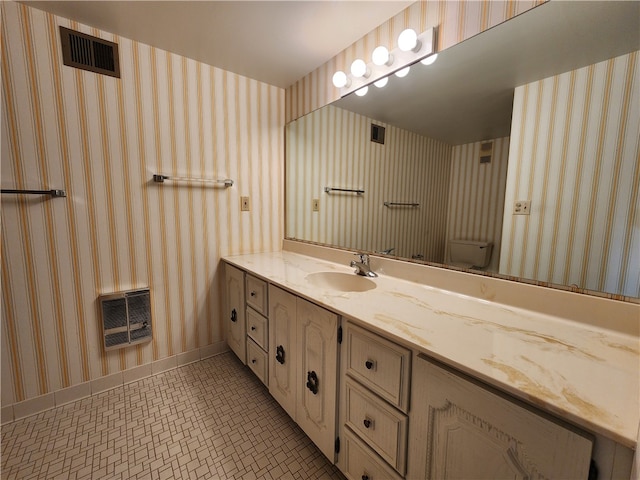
{"x":362,"y":267}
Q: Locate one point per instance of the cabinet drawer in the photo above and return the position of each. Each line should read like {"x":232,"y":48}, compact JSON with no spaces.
{"x":257,"y":360}
{"x":380,"y":365}
{"x":257,"y":328}
{"x":256,"y":292}
{"x":361,"y":463}
{"x":381,"y":426}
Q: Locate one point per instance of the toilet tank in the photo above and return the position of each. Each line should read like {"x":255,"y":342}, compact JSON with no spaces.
{"x":469,"y":253}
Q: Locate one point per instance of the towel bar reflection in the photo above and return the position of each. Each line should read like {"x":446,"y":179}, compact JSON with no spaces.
{"x":159,"y":178}
{"x":53,"y":193}
{"x":348,"y":190}
{"x":401,"y":204}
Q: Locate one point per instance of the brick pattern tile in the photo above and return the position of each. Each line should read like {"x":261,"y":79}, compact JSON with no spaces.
{"x":210,"y":419}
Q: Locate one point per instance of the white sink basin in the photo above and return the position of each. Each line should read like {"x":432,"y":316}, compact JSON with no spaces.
{"x":343,"y":282}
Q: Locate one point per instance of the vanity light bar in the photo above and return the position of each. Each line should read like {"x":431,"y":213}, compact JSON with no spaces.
{"x":399,"y":59}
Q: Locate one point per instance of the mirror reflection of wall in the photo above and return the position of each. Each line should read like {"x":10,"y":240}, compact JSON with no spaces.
{"x":575,"y":154}
{"x":569,"y":147}
{"x":457,"y":196}
{"x":332,"y":147}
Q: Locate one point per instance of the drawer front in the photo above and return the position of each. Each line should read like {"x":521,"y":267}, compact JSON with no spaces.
{"x":257,"y":361}
{"x":256,"y":292}
{"x":381,"y":426}
{"x":361,"y":463}
{"x":257,"y":328}
{"x":380,"y":365}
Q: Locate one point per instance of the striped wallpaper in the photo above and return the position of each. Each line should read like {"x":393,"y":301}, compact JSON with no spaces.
{"x":332,"y":147}
{"x":476,"y":196}
{"x":101,"y":139}
{"x":456,"y":21}
{"x":575,"y":153}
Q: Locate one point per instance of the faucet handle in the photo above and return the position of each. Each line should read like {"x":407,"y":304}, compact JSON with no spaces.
{"x":364,"y":258}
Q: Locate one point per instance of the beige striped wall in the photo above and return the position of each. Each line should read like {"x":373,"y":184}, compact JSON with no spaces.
{"x":575,"y":153}
{"x":101,"y":139}
{"x":476,"y":196}
{"x":456,"y":21}
{"x":332,"y":147}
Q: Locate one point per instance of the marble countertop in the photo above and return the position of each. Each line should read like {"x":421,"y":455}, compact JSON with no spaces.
{"x":583,"y":373}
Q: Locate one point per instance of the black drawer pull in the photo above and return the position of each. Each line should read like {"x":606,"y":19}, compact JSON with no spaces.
{"x":367,"y":423}
{"x":280,"y":354}
{"x":365,"y":477}
{"x":312,"y":382}
{"x":368,"y":364}
{"x":253,"y":328}
{"x":234,"y":315}
{"x":253,"y":293}
{"x":253,"y":361}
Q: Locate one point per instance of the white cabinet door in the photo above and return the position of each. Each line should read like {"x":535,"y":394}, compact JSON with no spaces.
{"x":234,"y":316}
{"x":317,"y":374}
{"x":282,"y":348}
{"x":459,"y":429}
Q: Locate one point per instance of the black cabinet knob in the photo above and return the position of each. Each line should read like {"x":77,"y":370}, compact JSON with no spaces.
{"x":253,"y":328}
{"x":280,"y":354}
{"x":365,"y":477}
{"x":253,"y":361}
{"x":312,"y":382}
{"x":367,"y":423}
{"x":253,"y":294}
{"x":368,"y":364}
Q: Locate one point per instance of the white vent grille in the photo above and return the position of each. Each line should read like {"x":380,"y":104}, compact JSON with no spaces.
{"x":94,"y":54}
{"x":126,"y":318}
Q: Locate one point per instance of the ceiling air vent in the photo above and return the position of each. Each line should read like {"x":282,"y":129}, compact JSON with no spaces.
{"x":83,"y":51}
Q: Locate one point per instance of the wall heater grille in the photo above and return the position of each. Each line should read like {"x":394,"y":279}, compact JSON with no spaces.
{"x":126,"y":318}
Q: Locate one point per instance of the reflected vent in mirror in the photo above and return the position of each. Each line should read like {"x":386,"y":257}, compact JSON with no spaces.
{"x":486,"y":152}
{"x":84,"y":51}
{"x":377,"y":133}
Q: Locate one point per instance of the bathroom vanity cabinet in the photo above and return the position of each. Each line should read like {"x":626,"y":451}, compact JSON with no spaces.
{"x":371,"y":391}
{"x":235,"y":312}
{"x":374,"y":403}
{"x":462,"y":429}
{"x":291,"y":345}
{"x":246,"y":322}
{"x":303,"y":369}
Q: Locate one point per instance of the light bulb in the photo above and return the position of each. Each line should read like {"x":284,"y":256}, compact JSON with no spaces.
{"x":429,"y":60}
{"x":408,"y":40}
{"x":382,"y":82}
{"x":340,"y":79}
{"x":380,"y":56}
{"x":403,"y":73}
{"x":361,"y":92}
{"x":359,"y":68}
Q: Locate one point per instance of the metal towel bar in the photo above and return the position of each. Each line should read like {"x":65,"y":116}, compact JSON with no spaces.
{"x":348,"y":190}
{"x":53,"y":193}
{"x":401,"y":204}
{"x":159,"y":178}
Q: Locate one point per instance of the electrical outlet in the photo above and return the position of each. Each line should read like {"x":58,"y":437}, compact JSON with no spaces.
{"x":245,"y":205}
{"x":522,"y":207}
{"x":316,"y":205}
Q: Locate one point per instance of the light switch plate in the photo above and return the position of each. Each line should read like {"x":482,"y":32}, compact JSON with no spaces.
{"x":315,"y":205}
{"x":245,"y":204}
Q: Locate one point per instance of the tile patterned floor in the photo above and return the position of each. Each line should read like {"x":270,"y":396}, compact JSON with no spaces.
{"x":211,"y":419}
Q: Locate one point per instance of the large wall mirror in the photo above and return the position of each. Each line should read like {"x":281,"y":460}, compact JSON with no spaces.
{"x":524,"y":138}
